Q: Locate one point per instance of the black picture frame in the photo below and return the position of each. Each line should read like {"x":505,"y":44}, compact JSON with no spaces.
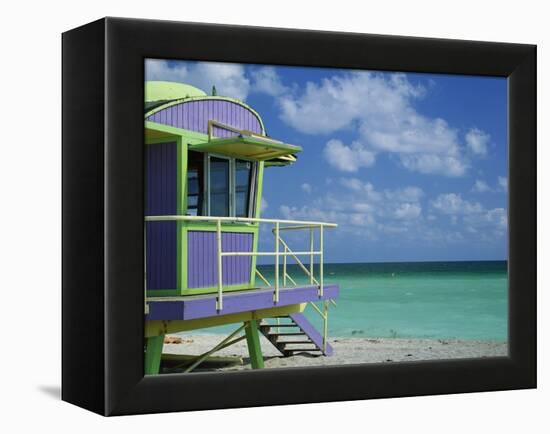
{"x":102,"y":292}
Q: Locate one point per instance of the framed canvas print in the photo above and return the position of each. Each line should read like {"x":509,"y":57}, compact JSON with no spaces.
{"x":262,"y":216}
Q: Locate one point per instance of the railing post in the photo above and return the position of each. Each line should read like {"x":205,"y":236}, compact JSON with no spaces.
{"x":284,"y":267}
{"x":321,"y":261}
{"x":276,"y":296}
{"x":219,"y":301}
{"x":311,"y":256}
{"x":325,"y":325}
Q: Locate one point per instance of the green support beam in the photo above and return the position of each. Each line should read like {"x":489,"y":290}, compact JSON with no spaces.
{"x":254,"y":347}
{"x":153,"y":353}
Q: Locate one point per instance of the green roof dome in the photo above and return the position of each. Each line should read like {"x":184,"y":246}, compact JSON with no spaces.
{"x":167,"y":90}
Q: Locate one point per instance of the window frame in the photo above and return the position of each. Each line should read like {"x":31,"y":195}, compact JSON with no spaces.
{"x":200,"y":195}
{"x":232,"y":184}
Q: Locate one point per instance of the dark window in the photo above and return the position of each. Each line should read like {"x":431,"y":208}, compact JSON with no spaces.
{"x":195,"y":181}
{"x":243,"y":180}
{"x":219,"y":187}
{"x":229,"y":187}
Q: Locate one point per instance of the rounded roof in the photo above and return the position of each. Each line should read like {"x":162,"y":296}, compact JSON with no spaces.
{"x":166,"y":91}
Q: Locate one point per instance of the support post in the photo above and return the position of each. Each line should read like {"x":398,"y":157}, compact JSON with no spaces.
{"x":276,"y":295}
{"x":219,"y":301}
{"x":325,"y":325}
{"x":321,"y":261}
{"x":311,"y":256}
{"x":284,"y":268}
{"x":253,"y":342}
{"x":153,"y":353}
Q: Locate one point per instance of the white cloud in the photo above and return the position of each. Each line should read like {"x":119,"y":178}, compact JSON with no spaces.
{"x":407,"y":211}
{"x":397,"y":215}
{"x":477,"y":141}
{"x":306,"y":188}
{"x":498,"y":216}
{"x":473,"y":214}
{"x":366,"y":189}
{"x":481,"y":187}
{"x":266,"y":80}
{"x":503,"y":183}
{"x":361,"y":205}
{"x":407,"y":194}
{"x":348,"y":158}
{"x":308,"y":212}
{"x":160,"y":70}
{"x":336,"y":102}
{"x":452,"y":203}
{"x":496,"y":219}
{"x":435,"y":164}
{"x":368,"y":192}
{"x":381,"y":107}
{"x":229,"y":78}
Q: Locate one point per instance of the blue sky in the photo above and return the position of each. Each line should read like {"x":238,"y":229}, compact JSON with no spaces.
{"x":413,"y":167}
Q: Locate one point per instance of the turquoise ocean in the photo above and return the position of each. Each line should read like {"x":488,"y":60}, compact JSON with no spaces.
{"x":432,"y":300}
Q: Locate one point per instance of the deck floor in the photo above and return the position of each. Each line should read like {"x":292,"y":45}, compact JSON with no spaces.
{"x":204,"y":305}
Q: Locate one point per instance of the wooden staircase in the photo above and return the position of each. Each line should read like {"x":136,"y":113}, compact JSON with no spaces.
{"x":294,"y":334}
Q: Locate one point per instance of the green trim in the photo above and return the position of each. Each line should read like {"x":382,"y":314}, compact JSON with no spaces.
{"x":153,"y":353}
{"x":188,"y":135}
{"x":276,"y":162}
{"x":181,"y":209}
{"x":182,"y":237}
{"x":233,"y":146}
{"x":253,"y":342}
{"x":154,"y":328}
{"x":181,"y":186}
{"x":214,"y":289}
{"x":163,"y":292}
{"x":226,"y":227}
{"x":181,"y":206}
{"x":211,"y":227}
{"x":164,"y":139}
{"x":205,"y":98}
{"x":257,"y":213}
{"x":259,"y":187}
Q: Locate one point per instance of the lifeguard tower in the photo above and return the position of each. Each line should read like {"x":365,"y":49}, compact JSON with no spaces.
{"x":205,"y":159}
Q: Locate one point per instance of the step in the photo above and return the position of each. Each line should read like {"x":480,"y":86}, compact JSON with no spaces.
{"x":287,"y":334}
{"x":296,"y":342}
{"x":278,"y":325}
{"x":311,"y":332}
{"x":306,"y":331}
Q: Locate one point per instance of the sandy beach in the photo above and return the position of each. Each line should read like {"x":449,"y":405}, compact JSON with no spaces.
{"x":346,"y":351}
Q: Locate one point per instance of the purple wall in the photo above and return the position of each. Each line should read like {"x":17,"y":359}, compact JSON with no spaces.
{"x":194,"y":116}
{"x":161,"y":166}
{"x":202,"y":266}
{"x":161,"y":255}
